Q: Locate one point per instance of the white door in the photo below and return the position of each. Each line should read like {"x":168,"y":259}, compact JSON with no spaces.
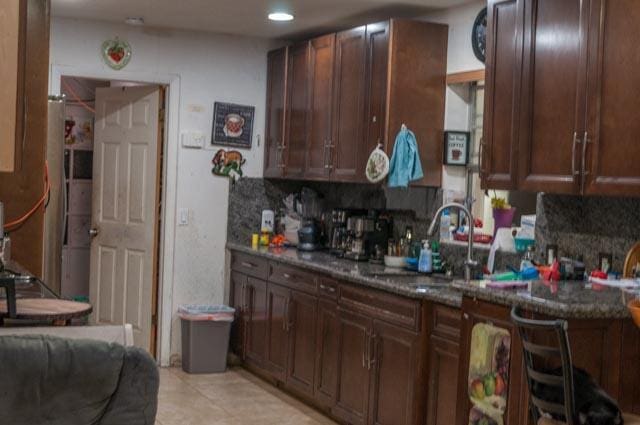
{"x":124,"y":208}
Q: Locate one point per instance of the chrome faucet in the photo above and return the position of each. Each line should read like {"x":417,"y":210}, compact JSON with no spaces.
{"x":470,"y":263}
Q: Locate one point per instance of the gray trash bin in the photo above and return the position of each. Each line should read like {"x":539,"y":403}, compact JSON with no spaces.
{"x":205,"y":337}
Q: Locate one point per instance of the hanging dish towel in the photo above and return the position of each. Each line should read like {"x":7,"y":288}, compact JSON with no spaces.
{"x":405,"y":162}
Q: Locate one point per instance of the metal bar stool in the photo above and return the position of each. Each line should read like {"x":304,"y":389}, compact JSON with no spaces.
{"x":537,"y":358}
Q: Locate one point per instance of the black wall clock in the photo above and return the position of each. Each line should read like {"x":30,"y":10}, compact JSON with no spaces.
{"x":479,"y":35}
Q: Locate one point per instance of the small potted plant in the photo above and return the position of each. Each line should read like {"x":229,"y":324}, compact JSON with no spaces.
{"x":503,"y":213}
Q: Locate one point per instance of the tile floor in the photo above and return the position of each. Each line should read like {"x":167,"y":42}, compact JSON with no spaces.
{"x":232,"y":398}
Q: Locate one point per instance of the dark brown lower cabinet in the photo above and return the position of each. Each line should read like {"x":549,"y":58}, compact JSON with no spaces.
{"x":328,"y":339}
{"x":277,"y":334}
{"x":256,"y":325}
{"x":302,"y":313}
{"x":354,"y":370}
{"x":444,"y":356}
{"x":238,"y":285}
{"x":393,"y":356}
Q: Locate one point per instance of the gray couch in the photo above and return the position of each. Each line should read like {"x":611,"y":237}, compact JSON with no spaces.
{"x":55,"y":381}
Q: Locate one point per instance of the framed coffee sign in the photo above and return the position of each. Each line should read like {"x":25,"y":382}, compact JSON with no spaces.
{"x":456,"y":147}
{"x":232,"y":125}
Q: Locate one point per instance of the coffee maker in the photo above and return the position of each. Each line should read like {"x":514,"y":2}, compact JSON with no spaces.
{"x":359,"y":230}
{"x":338,"y":238}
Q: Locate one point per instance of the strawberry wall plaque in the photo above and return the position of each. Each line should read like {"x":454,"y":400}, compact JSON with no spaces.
{"x":116,"y":53}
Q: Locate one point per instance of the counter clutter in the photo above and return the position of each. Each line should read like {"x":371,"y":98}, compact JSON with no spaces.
{"x":567,"y":299}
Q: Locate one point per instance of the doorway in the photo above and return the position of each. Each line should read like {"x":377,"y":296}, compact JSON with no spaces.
{"x":113,"y":171}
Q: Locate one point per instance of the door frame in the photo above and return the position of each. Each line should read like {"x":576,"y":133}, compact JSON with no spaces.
{"x":169,"y":182}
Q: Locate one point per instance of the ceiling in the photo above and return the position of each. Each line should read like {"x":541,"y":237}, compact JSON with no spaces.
{"x":249,"y":17}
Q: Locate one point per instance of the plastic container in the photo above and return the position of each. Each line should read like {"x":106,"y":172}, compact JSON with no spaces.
{"x":445,"y":226}
{"x":205,"y":337}
{"x":523,"y":244}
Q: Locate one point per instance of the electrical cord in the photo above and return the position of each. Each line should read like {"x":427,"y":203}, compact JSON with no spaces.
{"x":47,"y":189}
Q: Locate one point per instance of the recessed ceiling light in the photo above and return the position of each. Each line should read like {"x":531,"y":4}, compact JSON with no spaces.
{"x":134,"y":20}
{"x":281,"y":16}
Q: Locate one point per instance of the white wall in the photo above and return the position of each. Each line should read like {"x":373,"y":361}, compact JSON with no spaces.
{"x":202,"y":68}
{"x":460,"y":58}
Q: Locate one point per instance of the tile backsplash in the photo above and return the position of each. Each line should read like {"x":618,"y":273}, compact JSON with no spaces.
{"x":587,"y":226}
{"x":579,"y":226}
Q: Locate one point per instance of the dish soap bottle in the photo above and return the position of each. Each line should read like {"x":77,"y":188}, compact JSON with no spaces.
{"x":425,"y":263}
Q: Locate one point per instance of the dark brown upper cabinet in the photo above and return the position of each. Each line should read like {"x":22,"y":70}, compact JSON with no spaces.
{"x":348,"y":92}
{"x":275,"y":112}
{"x":296,"y":126}
{"x":321,"y":60}
{"x":611,"y":150}
{"x":416,"y":85}
{"x":347,"y":150}
{"x":560,"y":109}
{"x":553,"y":95}
{"x":498,"y":155}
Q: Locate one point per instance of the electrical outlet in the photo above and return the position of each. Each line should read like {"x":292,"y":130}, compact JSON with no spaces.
{"x":183,"y":217}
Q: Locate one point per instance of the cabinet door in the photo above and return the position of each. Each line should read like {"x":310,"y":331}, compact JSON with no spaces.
{"x":275,"y":112}
{"x":302,"y":313}
{"x":238,"y":288}
{"x":376,"y":91}
{"x":613,"y":151}
{"x":348,"y":154}
{"x":352,"y":398}
{"x":256,"y":325}
{"x":553,"y":95}
{"x":297,"y":104}
{"x":328,"y":338}
{"x":443,"y":378}
{"x":277,"y":335}
{"x":393,"y":358}
{"x":498,"y":151}
{"x":321,"y":60}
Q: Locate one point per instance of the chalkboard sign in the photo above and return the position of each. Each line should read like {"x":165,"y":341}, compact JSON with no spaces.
{"x":232,"y":125}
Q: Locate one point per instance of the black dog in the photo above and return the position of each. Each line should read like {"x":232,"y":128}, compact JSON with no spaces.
{"x":593,"y":406}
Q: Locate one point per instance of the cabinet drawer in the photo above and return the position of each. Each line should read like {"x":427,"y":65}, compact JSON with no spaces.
{"x":446,"y":322}
{"x":293,"y":278}
{"x":328,"y":288}
{"x":377,"y":304}
{"x":250,"y":265}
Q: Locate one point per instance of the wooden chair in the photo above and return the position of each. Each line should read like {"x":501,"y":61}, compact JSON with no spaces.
{"x":537,"y":358}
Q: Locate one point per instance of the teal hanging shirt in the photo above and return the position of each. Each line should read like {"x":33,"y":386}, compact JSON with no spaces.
{"x":405,"y":164}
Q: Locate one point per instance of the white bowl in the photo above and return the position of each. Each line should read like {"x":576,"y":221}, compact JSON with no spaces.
{"x":395,"y":262}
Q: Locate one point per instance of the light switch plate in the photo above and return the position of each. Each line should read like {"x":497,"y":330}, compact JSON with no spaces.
{"x":193,"y":139}
{"x":183,"y":217}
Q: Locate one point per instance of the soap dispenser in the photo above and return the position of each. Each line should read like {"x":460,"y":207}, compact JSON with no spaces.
{"x":425,"y":263}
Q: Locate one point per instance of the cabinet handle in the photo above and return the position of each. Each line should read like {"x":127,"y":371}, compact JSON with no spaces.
{"x":324,"y":155}
{"x":330,"y":158}
{"x":281,"y":149}
{"x":286,"y":275}
{"x":327,"y":288}
{"x":247,"y":265}
{"x":288,"y":316}
{"x":365,"y":349}
{"x":481,"y":170}
{"x":373,"y":349}
{"x":574,"y":172}
{"x":285,"y":316}
{"x":585,"y":172}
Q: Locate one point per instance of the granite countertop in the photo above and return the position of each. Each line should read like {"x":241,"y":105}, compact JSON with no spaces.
{"x":397,"y":281}
{"x":577,"y":300}
{"x":568,"y":299}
